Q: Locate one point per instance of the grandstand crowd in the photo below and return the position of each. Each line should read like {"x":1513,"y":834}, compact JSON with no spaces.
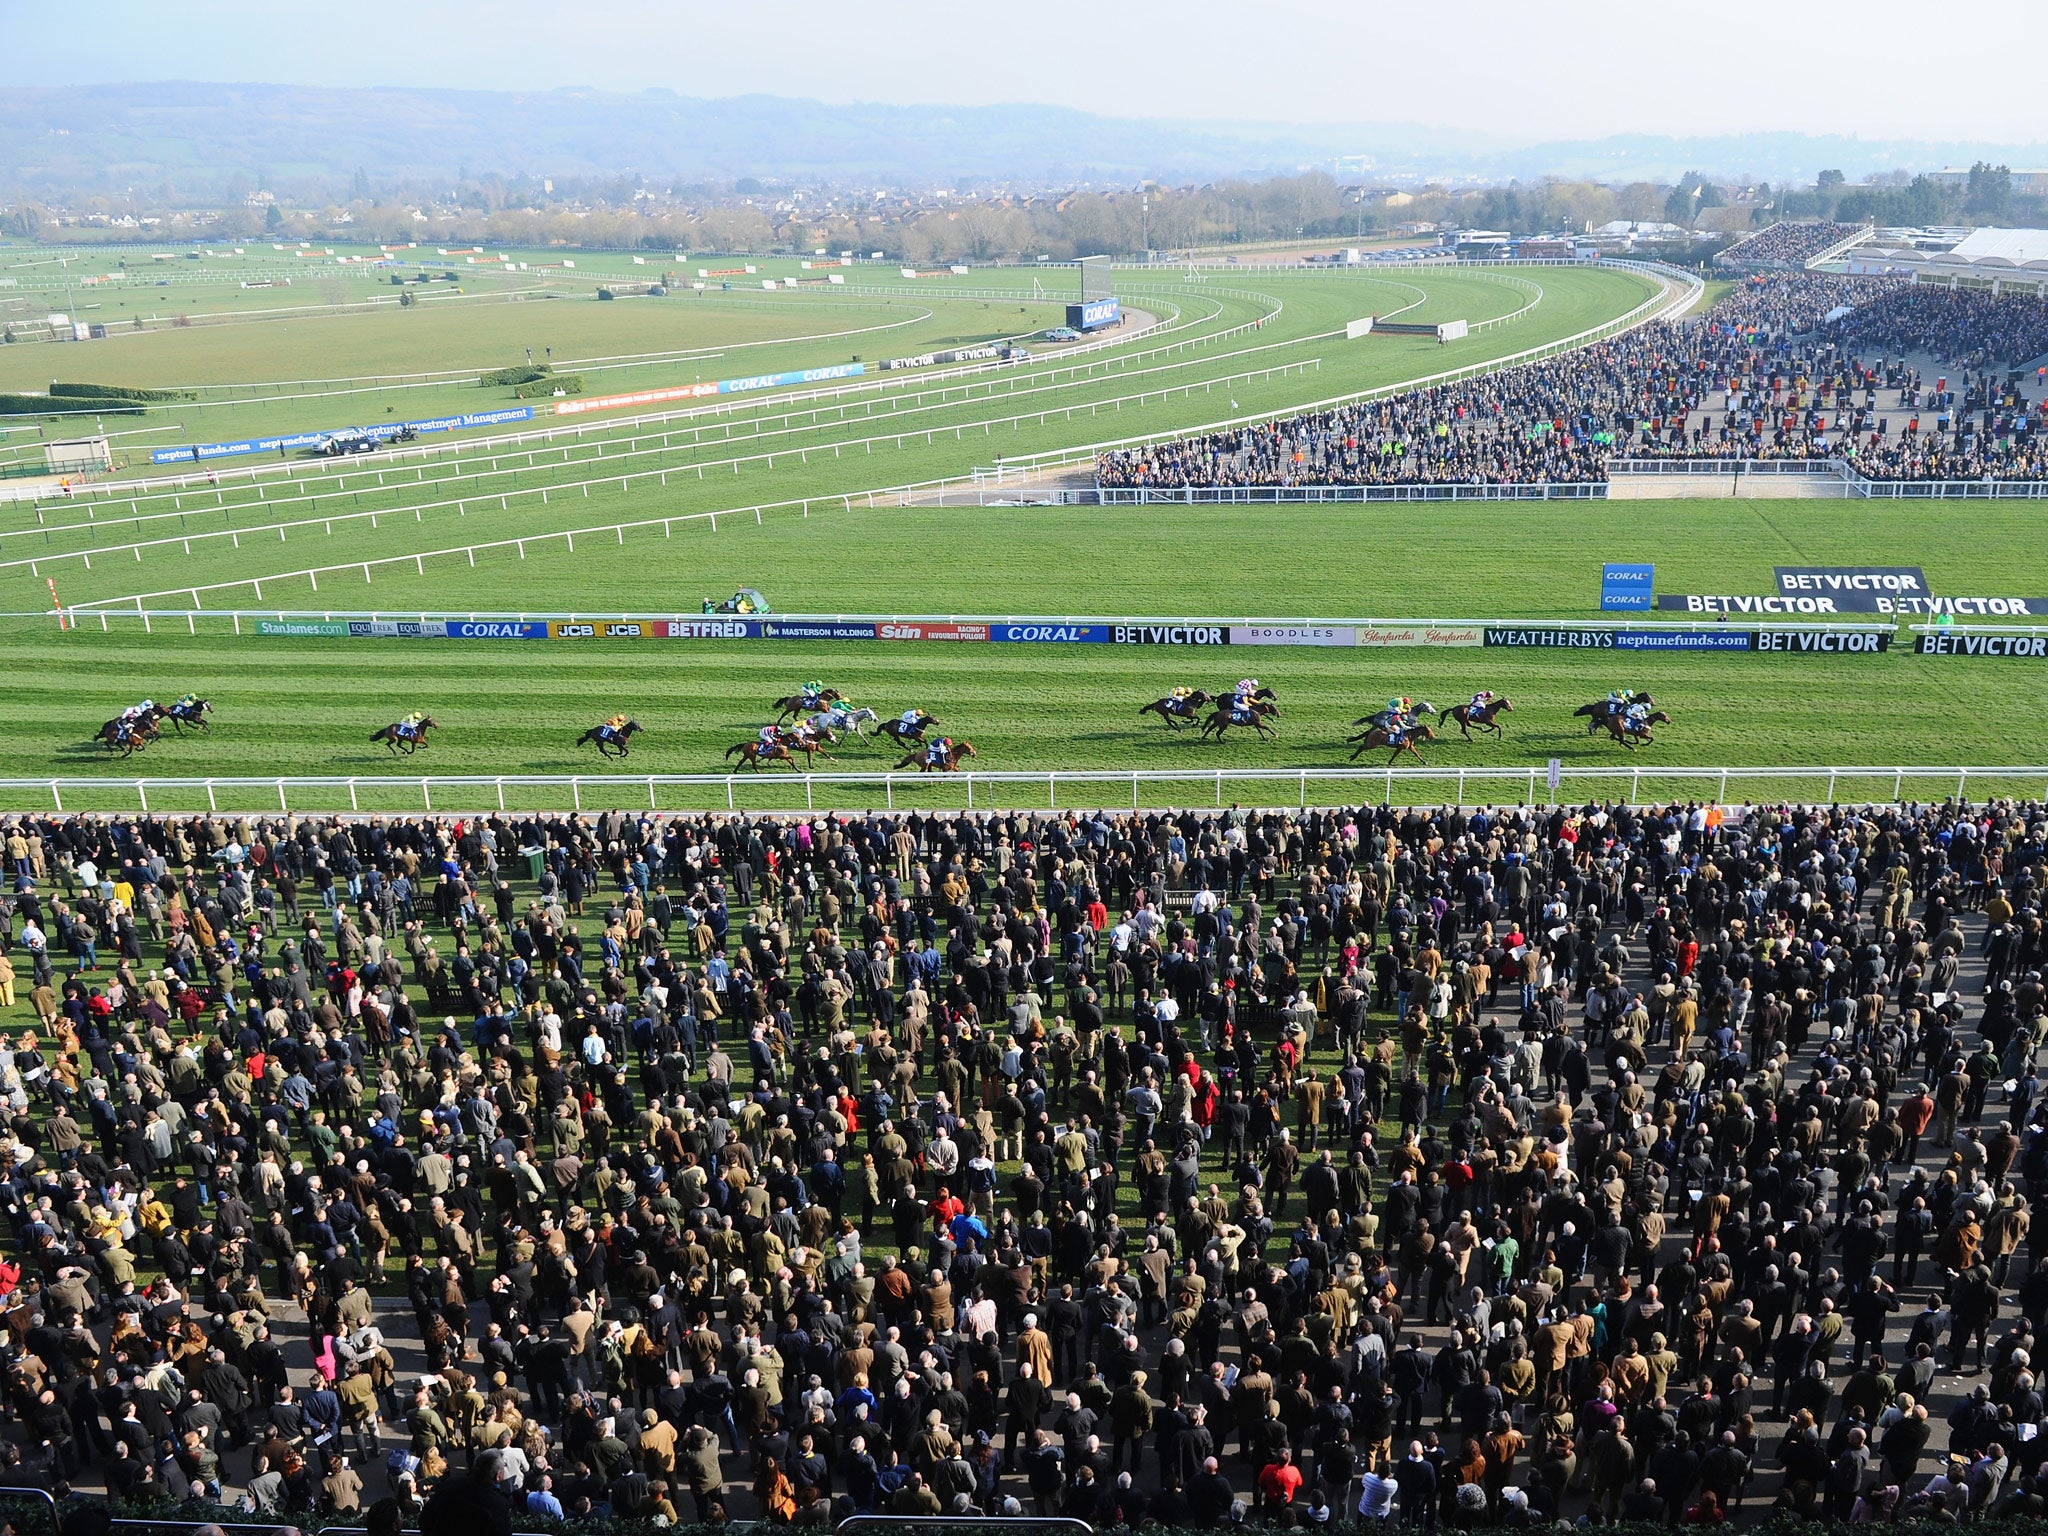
{"x":1787,"y":243}
{"x":1483,"y":1167}
{"x":1786,"y":367}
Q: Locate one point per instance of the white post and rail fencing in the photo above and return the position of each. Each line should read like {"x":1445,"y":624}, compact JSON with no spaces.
{"x":776,"y":792}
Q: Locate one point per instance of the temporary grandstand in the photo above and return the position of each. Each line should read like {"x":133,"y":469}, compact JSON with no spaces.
{"x":1793,"y":245}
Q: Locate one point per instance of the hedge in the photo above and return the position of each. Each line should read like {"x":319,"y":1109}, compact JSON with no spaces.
{"x":524,"y":373}
{"x":554,"y":383}
{"x":117,"y":392}
{"x":55,"y":405}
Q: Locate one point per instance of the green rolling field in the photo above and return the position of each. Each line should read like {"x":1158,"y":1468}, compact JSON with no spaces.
{"x":1237,"y":344}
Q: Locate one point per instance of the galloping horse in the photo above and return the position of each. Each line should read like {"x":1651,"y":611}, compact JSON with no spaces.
{"x":1177,"y":707}
{"x":923,"y":760}
{"x":194,"y":714}
{"x":752,"y":754}
{"x":1465,"y":717}
{"x":832,"y":723}
{"x":1621,"y":727}
{"x":1265,"y":696}
{"x":801,"y":703}
{"x":903,"y":734}
{"x":1380,"y":736}
{"x":1254,"y":715}
{"x":408,"y":739}
{"x":608,"y":736}
{"x":1596,"y":713}
{"x":128,"y":736}
{"x":1386,"y":717}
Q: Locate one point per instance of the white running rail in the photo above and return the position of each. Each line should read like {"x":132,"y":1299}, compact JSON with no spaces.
{"x":1090,"y":788}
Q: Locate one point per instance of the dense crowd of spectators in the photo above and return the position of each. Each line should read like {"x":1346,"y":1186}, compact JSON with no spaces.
{"x":1113,"y":1165}
{"x":1786,"y":244}
{"x":1765,"y":374}
{"x":1963,"y":327}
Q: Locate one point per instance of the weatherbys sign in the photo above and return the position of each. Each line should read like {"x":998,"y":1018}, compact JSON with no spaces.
{"x":1566,"y":639}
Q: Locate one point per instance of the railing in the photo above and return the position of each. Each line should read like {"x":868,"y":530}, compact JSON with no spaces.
{"x":471,"y":793}
{"x":1204,"y":495}
{"x":1618,"y":468}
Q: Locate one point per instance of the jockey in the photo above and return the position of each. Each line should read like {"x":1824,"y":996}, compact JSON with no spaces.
{"x":614,"y":725}
{"x":1636,"y":716}
{"x":911,"y":719}
{"x":187,"y":701}
{"x":1398,"y":709}
{"x":136,"y":711}
{"x":1397,"y":731}
{"x":811,"y":693}
{"x":1620,"y":698}
{"x":939,"y":751}
{"x":1479,"y":702}
{"x":1247,"y":686}
{"x":770,"y":734}
{"x":123,"y":730}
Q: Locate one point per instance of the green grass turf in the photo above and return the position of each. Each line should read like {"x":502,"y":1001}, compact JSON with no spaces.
{"x":916,"y":317}
{"x":304,"y":707}
{"x":825,"y":452}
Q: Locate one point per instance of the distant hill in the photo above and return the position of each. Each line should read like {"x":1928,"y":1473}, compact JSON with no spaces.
{"x":213,"y":141}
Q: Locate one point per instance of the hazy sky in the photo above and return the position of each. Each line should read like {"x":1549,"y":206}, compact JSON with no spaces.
{"x":1521,"y":71}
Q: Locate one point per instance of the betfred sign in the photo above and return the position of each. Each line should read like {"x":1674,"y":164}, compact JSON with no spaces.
{"x":705,"y":629}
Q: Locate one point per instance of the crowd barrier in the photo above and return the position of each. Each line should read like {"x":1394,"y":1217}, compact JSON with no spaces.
{"x":1631,"y":635}
{"x":774,"y":792}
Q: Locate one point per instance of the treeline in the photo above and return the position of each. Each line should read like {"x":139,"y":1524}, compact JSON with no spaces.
{"x":1314,"y":207}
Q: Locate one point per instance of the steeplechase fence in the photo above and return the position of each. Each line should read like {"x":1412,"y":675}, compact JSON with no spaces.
{"x":777,"y":791}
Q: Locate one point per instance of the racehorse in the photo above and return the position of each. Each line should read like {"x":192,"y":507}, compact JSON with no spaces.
{"x":799,"y":703}
{"x":607,"y":737}
{"x":1254,"y":715}
{"x":754,"y":755}
{"x":961,"y":750}
{"x":832,"y":723}
{"x":1621,"y":728}
{"x":902,"y":734}
{"x":1265,"y":696}
{"x":1465,"y":717}
{"x":1379,"y":736}
{"x":1596,"y":713}
{"x":194,"y":714}
{"x":140,"y":732}
{"x":408,"y":739}
{"x":1177,"y":707}
{"x":1385,"y":717}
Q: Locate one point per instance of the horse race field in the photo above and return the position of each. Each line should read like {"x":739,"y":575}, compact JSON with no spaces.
{"x":611,"y":513}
